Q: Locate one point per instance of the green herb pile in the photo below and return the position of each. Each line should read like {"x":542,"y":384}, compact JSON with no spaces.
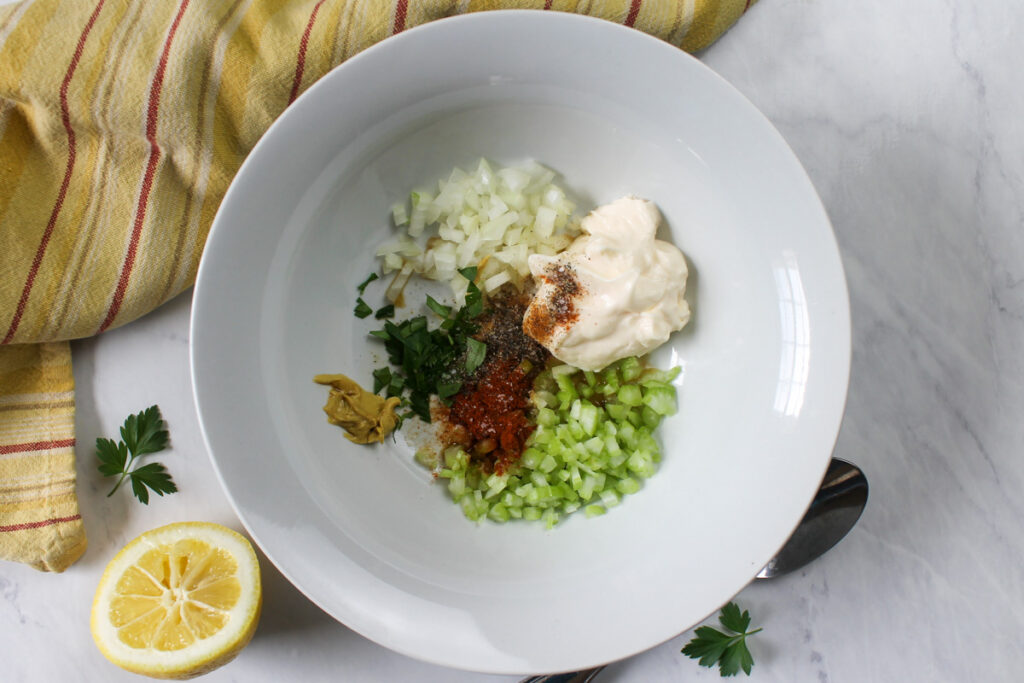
{"x":428,"y":361}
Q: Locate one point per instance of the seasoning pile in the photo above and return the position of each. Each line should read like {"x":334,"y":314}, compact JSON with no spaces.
{"x":489,"y":416}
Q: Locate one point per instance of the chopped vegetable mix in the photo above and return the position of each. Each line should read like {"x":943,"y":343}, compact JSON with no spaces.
{"x":593,"y":445}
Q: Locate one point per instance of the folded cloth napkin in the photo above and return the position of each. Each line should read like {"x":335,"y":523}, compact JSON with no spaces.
{"x":121,"y":124}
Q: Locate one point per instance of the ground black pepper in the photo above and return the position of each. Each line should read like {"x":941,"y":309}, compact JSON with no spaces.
{"x":543,"y":317}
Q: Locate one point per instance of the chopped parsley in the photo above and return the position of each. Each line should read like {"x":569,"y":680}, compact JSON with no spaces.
{"x":423,"y":360}
{"x":362,"y":308}
{"x":362,"y":286}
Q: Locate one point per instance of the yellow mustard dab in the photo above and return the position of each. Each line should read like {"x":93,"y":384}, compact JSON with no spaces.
{"x":365,"y":417}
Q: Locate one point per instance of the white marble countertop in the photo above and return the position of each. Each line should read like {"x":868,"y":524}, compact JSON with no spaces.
{"x":908,"y":117}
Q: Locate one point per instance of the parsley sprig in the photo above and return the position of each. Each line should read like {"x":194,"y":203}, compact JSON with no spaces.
{"x":141,"y":434}
{"x":424,"y":360}
{"x":728,"y":650}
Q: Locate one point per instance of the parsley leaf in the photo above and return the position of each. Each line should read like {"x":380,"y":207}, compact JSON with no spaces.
{"x":112,"y":456}
{"x":362,"y":308}
{"x":448,"y":389}
{"x":476,"y":351}
{"x":385,"y":312}
{"x":474,"y":305}
{"x":362,"y":287}
{"x":142,"y":434}
{"x":440,"y":309}
{"x":155,"y":476}
{"x":731,"y":618}
{"x":728,"y":650}
{"x":381,"y":378}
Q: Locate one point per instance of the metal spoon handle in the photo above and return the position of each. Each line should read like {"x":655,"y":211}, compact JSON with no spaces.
{"x":571,"y":677}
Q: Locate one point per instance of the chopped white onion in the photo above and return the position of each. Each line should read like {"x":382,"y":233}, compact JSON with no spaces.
{"x":507,"y":214}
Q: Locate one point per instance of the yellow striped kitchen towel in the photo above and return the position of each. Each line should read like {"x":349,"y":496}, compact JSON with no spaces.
{"x":121,"y":124}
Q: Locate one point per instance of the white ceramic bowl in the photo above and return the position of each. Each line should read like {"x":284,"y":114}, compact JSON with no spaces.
{"x":363,"y":532}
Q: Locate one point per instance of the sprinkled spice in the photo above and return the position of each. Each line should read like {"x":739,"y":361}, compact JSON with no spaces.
{"x":489,"y":415}
{"x":560,"y":307}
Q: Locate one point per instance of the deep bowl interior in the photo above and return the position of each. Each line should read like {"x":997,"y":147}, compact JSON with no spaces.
{"x":364,"y":532}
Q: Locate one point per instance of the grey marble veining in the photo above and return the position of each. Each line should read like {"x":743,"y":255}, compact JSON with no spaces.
{"x":909,"y":117}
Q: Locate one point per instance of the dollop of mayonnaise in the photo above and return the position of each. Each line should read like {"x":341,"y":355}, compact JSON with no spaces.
{"x":615,"y":292}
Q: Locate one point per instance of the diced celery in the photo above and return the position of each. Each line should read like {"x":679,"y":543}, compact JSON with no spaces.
{"x":587,"y":489}
{"x":565,"y":396}
{"x":616,"y":411}
{"x":496,"y":484}
{"x":575,"y":408}
{"x":661,"y":399}
{"x":544,"y":399}
{"x":575,"y":477}
{"x":564,"y":434}
{"x":650,"y":417}
{"x":628,"y":485}
{"x":427,"y":457}
{"x":456,"y":458}
{"x":610,"y":498}
{"x":511,"y":500}
{"x":593,"y":444}
{"x":655,"y":375}
{"x":627,"y":435}
{"x":457,"y":486}
{"x":641,"y":463}
{"x":550,"y":518}
{"x":530,"y":458}
{"x":563,"y":371}
{"x":630,"y":395}
{"x":610,"y":374}
{"x":631,"y":369}
{"x":588,"y":417}
{"x":646,"y":442}
{"x":498,"y":513}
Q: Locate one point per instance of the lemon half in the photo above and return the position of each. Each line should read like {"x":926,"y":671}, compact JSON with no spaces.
{"x":178,"y":601}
